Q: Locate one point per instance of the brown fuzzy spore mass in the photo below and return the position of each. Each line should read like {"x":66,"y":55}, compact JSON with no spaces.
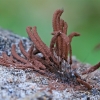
{"x":55,"y":58}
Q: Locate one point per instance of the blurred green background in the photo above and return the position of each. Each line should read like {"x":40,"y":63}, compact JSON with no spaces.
{"x":82,"y":16}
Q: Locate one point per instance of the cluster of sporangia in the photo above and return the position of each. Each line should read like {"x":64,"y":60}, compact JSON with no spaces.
{"x":55,"y":59}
